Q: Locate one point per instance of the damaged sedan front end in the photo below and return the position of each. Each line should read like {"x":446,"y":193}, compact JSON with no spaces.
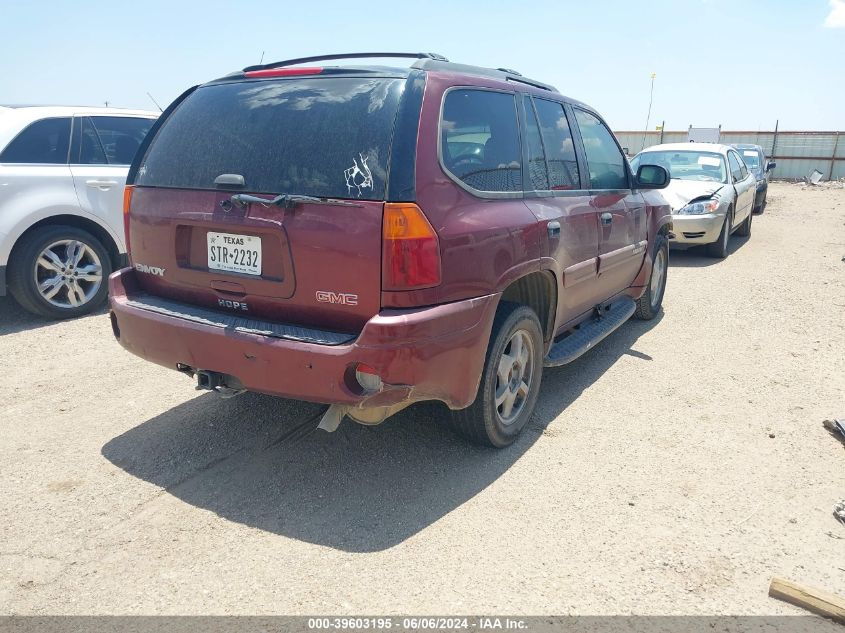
{"x":698,"y":211}
{"x":711,"y":192}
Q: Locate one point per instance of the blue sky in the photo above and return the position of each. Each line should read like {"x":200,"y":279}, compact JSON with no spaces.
{"x":741,"y":64}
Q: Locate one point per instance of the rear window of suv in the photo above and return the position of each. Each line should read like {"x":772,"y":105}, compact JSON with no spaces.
{"x":325,"y":137}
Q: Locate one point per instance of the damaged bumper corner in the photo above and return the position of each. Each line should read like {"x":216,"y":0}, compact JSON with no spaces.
{"x":433,"y":353}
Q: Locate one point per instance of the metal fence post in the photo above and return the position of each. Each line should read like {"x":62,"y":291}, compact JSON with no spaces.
{"x":662,"y":127}
{"x":833,"y":157}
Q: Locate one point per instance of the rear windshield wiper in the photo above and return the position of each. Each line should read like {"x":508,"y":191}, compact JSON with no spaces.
{"x":287,"y":200}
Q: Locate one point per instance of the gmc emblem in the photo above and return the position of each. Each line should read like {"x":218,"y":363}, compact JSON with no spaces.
{"x":340,"y":298}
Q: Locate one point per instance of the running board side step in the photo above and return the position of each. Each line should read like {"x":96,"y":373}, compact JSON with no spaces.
{"x":590,"y":332}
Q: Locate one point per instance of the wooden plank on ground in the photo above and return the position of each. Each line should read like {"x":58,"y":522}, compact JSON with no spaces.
{"x":809,"y":598}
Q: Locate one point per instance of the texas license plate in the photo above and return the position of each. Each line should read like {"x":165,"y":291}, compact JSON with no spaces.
{"x":234,"y":253}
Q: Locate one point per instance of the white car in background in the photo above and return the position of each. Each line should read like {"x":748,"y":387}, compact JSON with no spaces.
{"x":711,"y":192}
{"x":62,"y":172}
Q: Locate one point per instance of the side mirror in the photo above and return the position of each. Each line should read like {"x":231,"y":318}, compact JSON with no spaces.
{"x":652,"y":177}
{"x":771,"y":165}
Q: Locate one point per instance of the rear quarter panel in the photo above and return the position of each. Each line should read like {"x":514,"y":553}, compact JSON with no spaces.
{"x":31,"y":193}
{"x":485,"y":244}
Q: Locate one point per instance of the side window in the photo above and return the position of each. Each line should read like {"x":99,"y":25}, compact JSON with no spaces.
{"x":743,"y":168}
{"x":736,"y":169}
{"x":604,"y":159}
{"x":537,"y":171}
{"x":557,"y":139}
{"x":111,"y":140}
{"x":91,"y":150}
{"x":44,"y":141}
{"x":480,"y":139}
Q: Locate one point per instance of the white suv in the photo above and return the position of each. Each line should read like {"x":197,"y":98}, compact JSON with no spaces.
{"x":62,"y":172}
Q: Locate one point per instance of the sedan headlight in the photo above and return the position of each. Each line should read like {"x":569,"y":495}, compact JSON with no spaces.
{"x":698,"y":208}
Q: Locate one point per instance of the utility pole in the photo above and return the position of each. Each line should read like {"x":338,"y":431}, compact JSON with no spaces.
{"x":775,"y":139}
{"x":107,"y":104}
{"x":648,"y":116}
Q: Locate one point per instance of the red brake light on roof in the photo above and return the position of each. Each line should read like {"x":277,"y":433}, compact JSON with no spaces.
{"x":283,"y":72}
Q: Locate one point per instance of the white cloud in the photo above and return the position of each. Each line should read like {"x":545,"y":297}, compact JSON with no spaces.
{"x":836,"y":18}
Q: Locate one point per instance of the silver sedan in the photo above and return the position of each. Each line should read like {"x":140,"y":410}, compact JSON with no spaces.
{"x":711,"y":192}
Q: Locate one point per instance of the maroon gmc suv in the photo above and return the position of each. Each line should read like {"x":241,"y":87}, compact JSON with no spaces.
{"x":368,"y":237}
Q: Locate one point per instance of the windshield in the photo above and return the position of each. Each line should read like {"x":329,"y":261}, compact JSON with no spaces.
{"x":686,"y":165}
{"x":751,"y":158}
{"x":324,"y":137}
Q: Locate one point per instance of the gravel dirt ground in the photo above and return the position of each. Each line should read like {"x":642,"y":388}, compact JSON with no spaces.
{"x":673,"y":470}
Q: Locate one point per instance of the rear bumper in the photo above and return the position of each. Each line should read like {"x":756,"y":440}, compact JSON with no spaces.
{"x":432,"y":353}
{"x":697,"y":229}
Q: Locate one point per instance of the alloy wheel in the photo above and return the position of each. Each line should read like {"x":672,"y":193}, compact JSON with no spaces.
{"x":513,"y":377}
{"x":68,"y":273}
{"x":658,"y":272}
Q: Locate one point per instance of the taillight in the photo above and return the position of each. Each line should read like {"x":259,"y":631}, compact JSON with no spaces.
{"x":410,"y":249}
{"x":282,"y":72}
{"x":127,"y":201}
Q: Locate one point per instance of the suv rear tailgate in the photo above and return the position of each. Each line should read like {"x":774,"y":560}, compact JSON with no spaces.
{"x":320,"y":265}
{"x":315,"y":264}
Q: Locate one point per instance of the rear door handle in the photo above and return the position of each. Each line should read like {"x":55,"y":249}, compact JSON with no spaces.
{"x":101,"y":184}
{"x":606,"y":218}
{"x":554,"y":228}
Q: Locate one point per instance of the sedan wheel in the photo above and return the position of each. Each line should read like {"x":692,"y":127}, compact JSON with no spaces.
{"x":59,"y":272}
{"x":744,"y":229}
{"x":719,"y":248}
{"x":68,"y":273}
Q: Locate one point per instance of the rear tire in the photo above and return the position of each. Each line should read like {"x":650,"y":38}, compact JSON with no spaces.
{"x":59,"y":272}
{"x":744,"y":229}
{"x":649,"y":304}
{"x":719,"y":248}
{"x":510,"y":381}
{"x":763,"y":202}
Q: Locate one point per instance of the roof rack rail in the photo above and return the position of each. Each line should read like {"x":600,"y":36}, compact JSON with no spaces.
{"x":324,"y":58}
{"x":530,"y":82}
{"x":505,"y":74}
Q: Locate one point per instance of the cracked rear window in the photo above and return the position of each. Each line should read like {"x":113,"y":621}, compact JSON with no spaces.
{"x":326,"y":137}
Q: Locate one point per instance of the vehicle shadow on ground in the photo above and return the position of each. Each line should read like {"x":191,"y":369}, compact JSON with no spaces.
{"x":697,"y":257}
{"x":259,"y":461}
{"x":14,"y":319}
